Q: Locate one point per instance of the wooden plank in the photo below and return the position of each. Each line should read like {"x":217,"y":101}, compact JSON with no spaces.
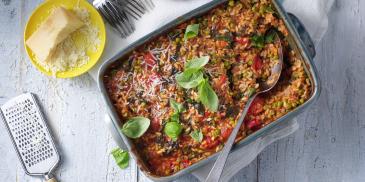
{"x":330,"y":143}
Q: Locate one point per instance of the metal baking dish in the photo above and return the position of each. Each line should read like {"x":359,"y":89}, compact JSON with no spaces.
{"x":299,"y":41}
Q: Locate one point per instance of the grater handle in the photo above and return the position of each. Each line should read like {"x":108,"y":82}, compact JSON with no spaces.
{"x":52,"y":180}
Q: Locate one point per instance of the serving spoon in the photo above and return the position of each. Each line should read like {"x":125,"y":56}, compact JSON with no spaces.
{"x":265,"y":86}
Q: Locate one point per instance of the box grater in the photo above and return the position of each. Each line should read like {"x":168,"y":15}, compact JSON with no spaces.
{"x":30,"y":135}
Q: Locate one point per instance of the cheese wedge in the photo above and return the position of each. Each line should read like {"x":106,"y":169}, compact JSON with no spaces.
{"x":55,"y":29}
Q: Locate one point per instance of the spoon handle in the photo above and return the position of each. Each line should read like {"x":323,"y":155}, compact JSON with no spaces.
{"x":216,"y":171}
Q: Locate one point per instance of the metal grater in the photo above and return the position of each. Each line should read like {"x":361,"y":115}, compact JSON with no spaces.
{"x":30,"y":135}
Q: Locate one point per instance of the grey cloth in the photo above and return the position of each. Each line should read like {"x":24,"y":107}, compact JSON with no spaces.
{"x":313,"y":14}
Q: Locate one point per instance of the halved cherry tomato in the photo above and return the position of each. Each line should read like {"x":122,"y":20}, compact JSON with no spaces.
{"x":155,"y":124}
{"x":207,"y":114}
{"x":257,"y":106}
{"x":257,"y":63}
{"x":185,"y":163}
{"x":254,"y":124}
{"x":222,"y":43}
{"x":149,"y":59}
{"x":226,"y":132}
{"x":242,"y":40}
{"x":222,"y":80}
{"x":210,"y":144}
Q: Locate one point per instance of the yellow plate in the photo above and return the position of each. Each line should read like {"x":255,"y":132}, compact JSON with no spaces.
{"x":43,"y":11}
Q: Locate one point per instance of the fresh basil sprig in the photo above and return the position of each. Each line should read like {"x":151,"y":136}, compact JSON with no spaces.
{"x":193,"y":77}
{"x":207,"y":96}
{"x":191,"y":31}
{"x":135,"y":127}
{"x":189,"y":80}
{"x":121,"y":157}
{"x":197,"y":135}
{"x":173,"y":130}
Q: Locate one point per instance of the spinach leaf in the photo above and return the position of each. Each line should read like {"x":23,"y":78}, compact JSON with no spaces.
{"x":121,"y":157}
{"x":207,"y":96}
{"x":228,"y":37}
{"x":173,"y":130}
{"x":179,"y":108}
{"x":258,"y":41}
{"x":270,"y":37}
{"x":197,"y":135}
{"x":136,"y":127}
{"x":191,"y":31}
{"x":189,"y":80}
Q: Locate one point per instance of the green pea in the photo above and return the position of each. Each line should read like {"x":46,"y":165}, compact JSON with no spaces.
{"x":250,"y":62}
{"x":251,"y":91}
{"x":301,"y":101}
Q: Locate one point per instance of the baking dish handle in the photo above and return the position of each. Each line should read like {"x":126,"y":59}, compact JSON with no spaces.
{"x":304,"y":35}
{"x":114,"y":132}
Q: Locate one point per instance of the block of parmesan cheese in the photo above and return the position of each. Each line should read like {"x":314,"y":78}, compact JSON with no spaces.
{"x":60,"y":24}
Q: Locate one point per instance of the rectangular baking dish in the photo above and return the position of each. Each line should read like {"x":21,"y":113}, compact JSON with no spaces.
{"x":299,"y":41}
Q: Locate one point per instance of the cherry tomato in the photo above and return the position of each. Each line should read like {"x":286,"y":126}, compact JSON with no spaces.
{"x":210,"y":144}
{"x":185,"y":163}
{"x":222,"y":80}
{"x":254,"y":124}
{"x":149,"y":59}
{"x":257,"y":63}
{"x":242,"y":40}
{"x":257,"y":106}
{"x":226,"y":132}
{"x":222,"y":43}
{"x":207,"y":114}
{"x":155,"y":124}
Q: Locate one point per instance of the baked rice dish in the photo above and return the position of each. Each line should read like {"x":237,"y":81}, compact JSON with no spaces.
{"x":193,"y":82}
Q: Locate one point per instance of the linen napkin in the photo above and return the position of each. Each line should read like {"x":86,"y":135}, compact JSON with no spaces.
{"x":312,"y":13}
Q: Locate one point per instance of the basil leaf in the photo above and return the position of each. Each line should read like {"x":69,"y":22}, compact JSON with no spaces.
{"x":175,"y":118}
{"x":196,"y":64}
{"x":197,"y":135}
{"x":207,"y":96}
{"x":179,"y":108}
{"x":121,"y":157}
{"x":189,"y":80}
{"x":136,"y":127}
{"x":173,"y":130}
{"x":191,"y":31}
{"x":258,"y":41}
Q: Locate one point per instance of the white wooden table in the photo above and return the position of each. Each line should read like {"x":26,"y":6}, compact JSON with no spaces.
{"x":329,"y":146}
